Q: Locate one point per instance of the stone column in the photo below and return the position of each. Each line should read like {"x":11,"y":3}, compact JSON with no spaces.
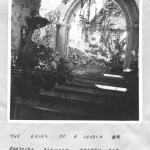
{"x":132,"y":44}
{"x":62,"y":39}
{"x":132,"y":15}
{"x":129,"y":48}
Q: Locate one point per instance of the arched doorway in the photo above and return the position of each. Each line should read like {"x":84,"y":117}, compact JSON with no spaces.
{"x":90,"y":24}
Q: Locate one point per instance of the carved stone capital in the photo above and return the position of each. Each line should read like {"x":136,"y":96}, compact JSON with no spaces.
{"x":59,"y":25}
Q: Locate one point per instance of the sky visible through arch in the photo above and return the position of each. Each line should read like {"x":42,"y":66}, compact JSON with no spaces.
{"x":47,"y":5}
{"x":76,"y":36}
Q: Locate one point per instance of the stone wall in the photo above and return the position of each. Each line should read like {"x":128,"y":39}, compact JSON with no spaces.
{"x":20,"y":10}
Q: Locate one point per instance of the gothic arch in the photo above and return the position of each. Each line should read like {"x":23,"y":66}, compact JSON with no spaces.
{"x":131,"y":13}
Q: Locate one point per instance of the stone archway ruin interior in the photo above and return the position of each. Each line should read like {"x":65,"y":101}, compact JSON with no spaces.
{"x":131,"y":14}
{"x":67,"y":11}
{"x":79,"y":61}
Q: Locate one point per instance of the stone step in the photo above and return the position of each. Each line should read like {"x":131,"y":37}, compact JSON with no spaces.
{"x":112,"y":76}
{"x":72,"y":98}
{"x":88,"y":82}
{"x":102,"y":78}
{"x":89,"y":91}
{"x":55,"y":111}
{"x":43,"y":106}
{"x":80,"y":99}
{"x":90,"y":107}
{"x":94,"y":87}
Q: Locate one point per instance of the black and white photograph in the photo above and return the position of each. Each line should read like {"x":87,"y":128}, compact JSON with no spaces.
{"x":75,"y":60}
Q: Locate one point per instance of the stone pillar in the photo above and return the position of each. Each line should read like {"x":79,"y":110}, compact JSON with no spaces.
{"x":129,"y":48}
{"x":62,"y":39}
{"x":132,"y":17}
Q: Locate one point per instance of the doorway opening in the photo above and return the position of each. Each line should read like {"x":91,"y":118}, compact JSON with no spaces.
{"x":97,"y":38}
